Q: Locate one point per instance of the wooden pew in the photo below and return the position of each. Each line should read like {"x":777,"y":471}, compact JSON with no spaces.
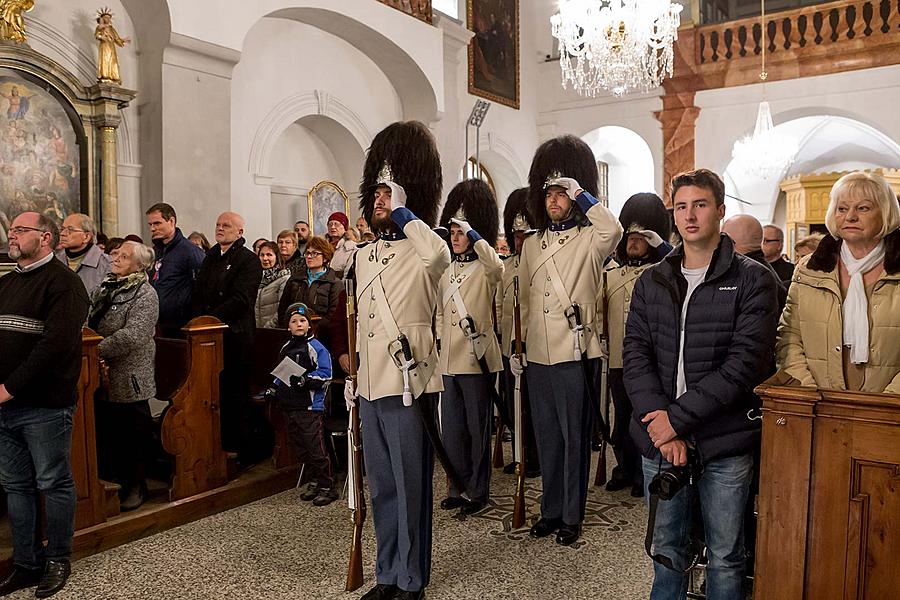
{"x":187,"y":375}
{"x":829,"y":506}
{"x":90,"y":492}
{"x":266,"y":345}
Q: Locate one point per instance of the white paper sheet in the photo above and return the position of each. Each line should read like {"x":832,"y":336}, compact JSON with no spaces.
{"x":285,"y":369}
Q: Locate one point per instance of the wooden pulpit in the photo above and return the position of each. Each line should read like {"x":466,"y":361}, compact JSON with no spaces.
{"x":829,"y":504}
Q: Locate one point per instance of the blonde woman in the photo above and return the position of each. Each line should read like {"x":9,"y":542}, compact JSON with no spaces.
{"x":838,"y":329}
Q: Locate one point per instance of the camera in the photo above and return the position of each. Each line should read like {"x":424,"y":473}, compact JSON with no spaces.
{"x":666,"y":484}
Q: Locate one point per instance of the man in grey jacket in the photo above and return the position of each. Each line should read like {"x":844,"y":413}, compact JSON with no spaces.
{"x":77,"y":236}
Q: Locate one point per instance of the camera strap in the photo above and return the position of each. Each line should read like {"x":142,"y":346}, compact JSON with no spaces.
{"x":697,"y":535}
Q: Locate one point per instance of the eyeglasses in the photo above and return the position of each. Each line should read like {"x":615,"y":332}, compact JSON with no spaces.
{"x":312,"y":253}
{"x":71,"y":230}
{"x":765,"y":241}
{"x":20,"y":230}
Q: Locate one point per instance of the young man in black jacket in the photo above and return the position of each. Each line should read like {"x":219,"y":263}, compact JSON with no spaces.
{"x":226,"y":288}
{"x":43,"y":305}
{"x":700,"y":336}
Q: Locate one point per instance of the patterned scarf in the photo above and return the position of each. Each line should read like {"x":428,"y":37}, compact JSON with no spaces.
{"x":272,"y":274}
{"x":106,"y":294}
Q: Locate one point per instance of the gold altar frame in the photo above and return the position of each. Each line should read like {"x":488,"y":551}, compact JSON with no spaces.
{"x":311,"y":205}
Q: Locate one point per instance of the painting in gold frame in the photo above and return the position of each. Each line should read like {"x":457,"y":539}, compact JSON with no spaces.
{"x":494,"y":50}
{"x":325,"y":198}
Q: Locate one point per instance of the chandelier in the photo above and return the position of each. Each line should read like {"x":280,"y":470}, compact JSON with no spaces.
{"x":615,"y":45}
{"x":766,"y":153}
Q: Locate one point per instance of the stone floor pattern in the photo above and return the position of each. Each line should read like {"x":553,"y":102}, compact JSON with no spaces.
{"x":282,"y":548}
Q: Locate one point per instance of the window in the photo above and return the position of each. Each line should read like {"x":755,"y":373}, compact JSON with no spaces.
{"x":603,"y":183}
{"x":448,"y":7}
{"x":471,"y":172}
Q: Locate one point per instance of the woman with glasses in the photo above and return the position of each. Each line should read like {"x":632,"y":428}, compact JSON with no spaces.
{"x":318,"y":287}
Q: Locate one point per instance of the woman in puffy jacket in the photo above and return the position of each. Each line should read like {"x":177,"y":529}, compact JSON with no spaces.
{"x":318,"y":287}
{"x":275,"y":277}
{"x":839,"y":327}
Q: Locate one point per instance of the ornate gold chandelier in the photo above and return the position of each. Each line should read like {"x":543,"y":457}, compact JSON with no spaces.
{"x":615,"y":45}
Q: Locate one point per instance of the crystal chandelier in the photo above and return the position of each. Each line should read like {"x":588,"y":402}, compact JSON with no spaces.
{"x":615,"y":45}
{"x":766,"y":153}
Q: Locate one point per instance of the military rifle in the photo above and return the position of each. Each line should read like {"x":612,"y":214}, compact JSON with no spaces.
{"x":518,"y":517}
{"x":356,"y":498}
{"x":600,"y":477}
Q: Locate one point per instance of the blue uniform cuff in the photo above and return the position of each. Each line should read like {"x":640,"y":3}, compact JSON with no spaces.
{"x":474,"y":236}
{"x":585,"y":201}
{"x":402,"y":216}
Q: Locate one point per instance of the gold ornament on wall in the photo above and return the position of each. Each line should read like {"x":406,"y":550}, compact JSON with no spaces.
{"x":108,"y":58}
{"x":12,"y":24}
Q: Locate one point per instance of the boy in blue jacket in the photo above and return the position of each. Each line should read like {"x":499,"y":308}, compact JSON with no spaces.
{"x":303,"y":401}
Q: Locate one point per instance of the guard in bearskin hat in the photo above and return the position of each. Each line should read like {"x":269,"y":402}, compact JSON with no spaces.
{"x":561,"y":275}
{"x":470,"y":352}
{"x":647,"y":226}
{"x":517,"y":227}
{"x":397,"y":280}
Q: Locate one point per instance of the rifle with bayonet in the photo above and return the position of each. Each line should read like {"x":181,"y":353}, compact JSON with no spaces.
{"x":518,"y":517}
{"x":600,"y":477}
{"x":356,"y":498}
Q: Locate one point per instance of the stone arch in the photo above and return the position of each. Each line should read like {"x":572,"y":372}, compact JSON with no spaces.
{"x":630,"y":160}
{"x":501,"y":161}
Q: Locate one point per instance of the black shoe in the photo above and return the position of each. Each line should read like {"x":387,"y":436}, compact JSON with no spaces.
{"x":568,"y":534}
{"x":615,"y":484}
{"x":56,"y":573}
{"x":134,"y":497}
{"x":381,"y":591}
{"x":19,"y":579}
{"x":473,"y":506}
{"x":326,"y":496}
{"x":404,"y":595}
{"x":311,"y":493}
{"x":510,"y":469}
{"x":451,"y":503}
{"x":532,"y":473}
{"x":637,"y":490}
{"x":545,"y":527}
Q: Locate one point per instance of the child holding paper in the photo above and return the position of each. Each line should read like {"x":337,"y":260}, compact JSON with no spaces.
{"x":302,"y":398}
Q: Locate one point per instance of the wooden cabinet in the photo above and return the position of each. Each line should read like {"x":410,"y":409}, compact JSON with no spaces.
{"x":829,"y":506}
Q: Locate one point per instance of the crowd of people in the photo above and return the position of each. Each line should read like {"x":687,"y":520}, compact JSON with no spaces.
{"x":682,"y":312}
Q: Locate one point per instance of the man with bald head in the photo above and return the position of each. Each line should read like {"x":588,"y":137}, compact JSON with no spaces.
{"x":78,"y":250}
{"x":226,"y":288}
{"x":772,"y":247}
{"x":747,"y":233}
{"x":42,"y":307}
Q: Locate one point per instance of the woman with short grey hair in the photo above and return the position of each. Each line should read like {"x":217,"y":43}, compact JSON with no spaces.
{"x":124,"y":310}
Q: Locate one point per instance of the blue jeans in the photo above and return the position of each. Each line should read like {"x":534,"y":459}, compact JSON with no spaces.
{"x":723,"y":490}
{"x":35,"y":445}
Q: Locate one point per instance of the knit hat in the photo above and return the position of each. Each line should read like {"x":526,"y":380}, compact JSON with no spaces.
{"x":339,"y":217}
{"x":298,"y":308}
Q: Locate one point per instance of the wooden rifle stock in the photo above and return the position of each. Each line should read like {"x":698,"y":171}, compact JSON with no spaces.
{"x":497,"y":459}
{"x":518,"y":516}
{"x":600,"y":477}
{"x":355,"y":463}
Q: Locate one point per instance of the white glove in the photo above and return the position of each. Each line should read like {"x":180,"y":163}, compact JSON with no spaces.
{"x":572,"y":187}
{"x":349,"y":394}
{"x":398,"y":195}
{"x":652,"y":237}
{"x":517,"y":364}
{"x":466,"y":228}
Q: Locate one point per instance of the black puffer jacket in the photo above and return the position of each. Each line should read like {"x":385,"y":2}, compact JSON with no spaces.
{"x":729,"y":349}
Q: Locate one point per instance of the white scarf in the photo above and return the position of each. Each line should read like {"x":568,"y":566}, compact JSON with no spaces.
{"x":856,"y":305}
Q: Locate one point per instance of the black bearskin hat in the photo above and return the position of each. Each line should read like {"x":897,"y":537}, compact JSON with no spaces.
{"x":644,"y":211}
{"x":478,"y":205}
{"x":516,"y":204}
{"x":405,"y":153}
{"x":564,"y":156}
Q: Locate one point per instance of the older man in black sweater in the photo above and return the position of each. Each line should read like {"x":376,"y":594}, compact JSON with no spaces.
{"x":42,"y":308}
{"x":226,"y":288}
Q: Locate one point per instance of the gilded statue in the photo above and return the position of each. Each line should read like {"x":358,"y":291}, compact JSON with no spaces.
{"x":108,"y":60}
{"x":12,"y":24}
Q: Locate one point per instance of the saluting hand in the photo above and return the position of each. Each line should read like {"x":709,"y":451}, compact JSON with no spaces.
{"x":466,"y":228}
{"x":660,"y":429}
{"x":573,"y":188}
{"x":652,"y":237}
{"x":398,"y":195}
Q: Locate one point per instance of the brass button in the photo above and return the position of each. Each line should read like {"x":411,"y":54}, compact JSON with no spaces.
{"x":546,"y":311}
{"x":371,"y":315}
{"x":547,"y":294}
{"x":371,"y":335}
{"x":453,"y":310}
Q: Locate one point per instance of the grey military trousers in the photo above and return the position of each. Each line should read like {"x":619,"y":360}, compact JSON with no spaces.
{"x":563,"y":417}
{"x":466,"y":411}
{"x":400,"y":467}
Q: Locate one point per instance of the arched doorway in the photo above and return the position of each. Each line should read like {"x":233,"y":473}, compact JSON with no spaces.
{"x":629,"y":163}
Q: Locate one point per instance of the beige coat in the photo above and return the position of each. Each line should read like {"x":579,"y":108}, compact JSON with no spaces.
{"x":477,"y":291}
{"x":619,"y":286}
{"x":810,"y":333}
{"x":411,"y":270}
{"x":578,"y":256}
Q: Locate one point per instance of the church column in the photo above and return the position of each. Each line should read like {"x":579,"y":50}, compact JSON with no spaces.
{"x":108,"y":100}
{"x":678,"y":117}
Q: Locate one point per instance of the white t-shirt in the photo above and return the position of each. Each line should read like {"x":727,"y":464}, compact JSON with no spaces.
{"x":694,"y":278}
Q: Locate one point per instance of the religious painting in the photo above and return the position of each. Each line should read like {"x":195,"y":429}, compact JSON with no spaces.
{"x":325,"y":199}
{"x":40,"y":155}
{"x":494,"y":51}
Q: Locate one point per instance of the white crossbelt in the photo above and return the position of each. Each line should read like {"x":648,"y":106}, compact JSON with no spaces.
{"x":453,"y":291}
{"x":563,"y":296}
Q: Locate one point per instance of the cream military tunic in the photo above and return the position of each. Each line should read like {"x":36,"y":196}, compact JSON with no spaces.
{"x":619,"y":287}
{"x":410,"y":271}
{"x":480,"y":279}
{"x":576,"y":256}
